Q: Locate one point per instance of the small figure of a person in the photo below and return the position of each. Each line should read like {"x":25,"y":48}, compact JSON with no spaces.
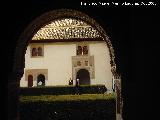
{"x":77,"y":82}
{"x":70,"y":81}
{"x":40,"y":83}
{"x":77,"y":87}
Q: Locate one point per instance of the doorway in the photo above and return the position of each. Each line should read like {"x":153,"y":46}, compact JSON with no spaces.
{"x":30,"y":80}
{"x":83,"y":76}
{"x":41,"y":80}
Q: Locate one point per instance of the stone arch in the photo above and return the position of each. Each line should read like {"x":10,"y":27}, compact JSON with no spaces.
{"x":41,"y":78}
{"x":28,"y":33}
{"x":24,"y":39}
{"x":84,"y":77}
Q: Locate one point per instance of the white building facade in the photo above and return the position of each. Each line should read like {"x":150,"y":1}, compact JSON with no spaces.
{"x":67,"y":49}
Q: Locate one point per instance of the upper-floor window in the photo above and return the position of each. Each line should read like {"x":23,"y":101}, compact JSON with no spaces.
{"x":37,"y":50}
{"x":85,"y":50}
{"x":79,"y":50}
{"x":82,"y":49}
{"x":34,"y":52}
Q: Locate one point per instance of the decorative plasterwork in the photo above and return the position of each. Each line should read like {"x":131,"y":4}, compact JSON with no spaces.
{"x":79,"y":62}
{"x":66,"y":28}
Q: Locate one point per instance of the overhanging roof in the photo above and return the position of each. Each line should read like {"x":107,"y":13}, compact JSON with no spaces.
{"x":66,"y":29}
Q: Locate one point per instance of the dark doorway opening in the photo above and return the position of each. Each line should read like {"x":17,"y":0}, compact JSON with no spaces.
{"x":30,"y":80}
{"x":83,"y":76}
{"x":41,"y":80}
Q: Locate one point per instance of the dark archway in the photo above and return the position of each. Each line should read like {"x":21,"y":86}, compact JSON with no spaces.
{"x":41,"y":80}
{"x":83,"y":76}
{"x":30,"y":80}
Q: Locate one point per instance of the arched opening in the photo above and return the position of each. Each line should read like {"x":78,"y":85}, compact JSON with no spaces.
{"x":30,"y":80}
{"x":34,"y":52}
{"x":79,"y":50}
{"x":24,"y":40}
{"x":85,"y":50}
{"x":39,"y":51}
{"x":83,"y":76}
{"x":41,"y":80}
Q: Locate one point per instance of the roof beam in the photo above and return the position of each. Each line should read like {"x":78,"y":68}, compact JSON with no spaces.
{"x":66,"y":40}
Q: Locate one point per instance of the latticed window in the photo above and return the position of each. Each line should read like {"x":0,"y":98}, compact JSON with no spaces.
{"x":34,"y":52}
{"x":79,"y":50}
{"x":82,"y":50}
{"x":37,"y":50}
{"x":40,"y":51}
{"x":85,"y":50}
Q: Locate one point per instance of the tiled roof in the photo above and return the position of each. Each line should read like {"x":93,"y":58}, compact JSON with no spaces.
{"x":65,"y":29}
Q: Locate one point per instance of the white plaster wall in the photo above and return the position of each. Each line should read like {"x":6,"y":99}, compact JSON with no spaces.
{"x":57,"y":59}
{"x":23,"y":82}
{"x":59,"y":63}
{"x":103,"y":74}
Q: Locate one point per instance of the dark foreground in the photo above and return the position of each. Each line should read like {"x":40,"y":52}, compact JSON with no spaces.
{"x":68,"y":107}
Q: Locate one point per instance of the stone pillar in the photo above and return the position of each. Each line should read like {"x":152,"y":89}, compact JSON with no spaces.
{"x":118,"y":99}
{"x":74,"y":82}
{"x":117,"y":88}
{"x":13,"y":95}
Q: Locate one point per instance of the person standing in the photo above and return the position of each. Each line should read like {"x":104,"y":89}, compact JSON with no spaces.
{"x":70,"y":81}
{"x":77,"y":82}
{"x":77,"y":87}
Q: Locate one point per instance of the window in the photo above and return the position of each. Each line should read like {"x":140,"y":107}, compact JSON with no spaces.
{"x":85,"y":50}
{"x":79,"y":50}
{"x":34,"y":52}
{"x":82,"y":50}
{"x":39,"y":51}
